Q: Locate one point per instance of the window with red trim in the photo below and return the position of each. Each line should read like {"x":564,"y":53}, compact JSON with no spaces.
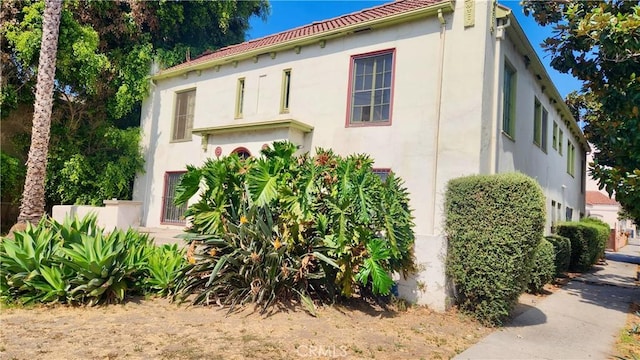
{"x":371,"y":88}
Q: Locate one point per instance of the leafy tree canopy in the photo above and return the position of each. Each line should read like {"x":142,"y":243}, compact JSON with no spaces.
{"x":104,"y":55}
{"x":598,"y":42}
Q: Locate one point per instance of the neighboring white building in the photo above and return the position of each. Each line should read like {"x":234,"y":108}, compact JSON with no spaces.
{"x":431,"y":89}
{"x":599,"y":205}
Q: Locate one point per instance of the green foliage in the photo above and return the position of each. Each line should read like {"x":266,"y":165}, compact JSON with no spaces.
{"x":598,"y":42}
{"x":74,"y":262}
{"x":105,"y":52}
{"x":163,"y":265}
{"x":604,"y":231}
{"x":493,"y":224}
{"x":562,"y":251}
{"x":586,"y":243}
{"x":280,"y":226}
{"x":92,"y":176}
{"x":543,"y":268}
{"x":11,"y":181}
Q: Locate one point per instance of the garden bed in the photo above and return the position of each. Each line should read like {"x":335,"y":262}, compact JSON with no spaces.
{"x":158,"y":329}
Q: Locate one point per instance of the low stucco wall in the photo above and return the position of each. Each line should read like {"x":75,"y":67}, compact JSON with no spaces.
{"x":120,"y":214}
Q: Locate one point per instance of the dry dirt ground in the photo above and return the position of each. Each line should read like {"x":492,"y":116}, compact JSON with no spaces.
{"x":158,"y":329}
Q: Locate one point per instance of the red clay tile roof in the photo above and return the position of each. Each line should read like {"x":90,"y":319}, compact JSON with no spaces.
{"x":318,"y":27}
{"x":598,"y":198}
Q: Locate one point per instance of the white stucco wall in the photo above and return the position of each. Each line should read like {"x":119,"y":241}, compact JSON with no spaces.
{"x":521,"y":154}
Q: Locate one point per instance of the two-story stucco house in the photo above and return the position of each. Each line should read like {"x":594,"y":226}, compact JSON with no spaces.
{"x":431,"y":89}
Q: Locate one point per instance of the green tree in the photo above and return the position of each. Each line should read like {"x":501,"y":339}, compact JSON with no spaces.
{"x":598,"y":42}
{"x":106,"y":49}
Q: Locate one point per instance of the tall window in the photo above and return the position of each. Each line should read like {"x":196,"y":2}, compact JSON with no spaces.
{"x":571,"y":158}
{"x":560,"y":140}
{"x":537,"y":122}
{"x":172,"y":213}
{"x":370,"y":93}
{"x":544,"y":130}
{"x":286,"y":87}
{"x":509,"y":101}
{"x":183,"y":119}
{"x":239,"y":98}
{"x":555,"y":135}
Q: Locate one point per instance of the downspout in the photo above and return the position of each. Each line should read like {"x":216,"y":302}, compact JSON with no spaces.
{"x":147,"y":187}
{"x":436,"y":140}
{"x":497,"y":104}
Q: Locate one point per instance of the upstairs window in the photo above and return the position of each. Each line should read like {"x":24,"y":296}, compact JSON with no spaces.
{"x":286,"y":88}
{"x":544,"y":129}
{"x":537,"y":122}
{"x":555,"y":136}
{"x":509,"y":101}
{"x":183,"y":119}
{"x":371,"y":88}
{"x":560,"y":140}
{"x":571,"y":158}
{"x":239,"y":98}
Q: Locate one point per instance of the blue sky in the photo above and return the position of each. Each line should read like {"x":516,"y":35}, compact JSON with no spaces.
{"x":288,"y":14}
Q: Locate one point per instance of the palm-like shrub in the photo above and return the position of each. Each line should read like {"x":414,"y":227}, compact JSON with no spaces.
{"x":278,"y":226}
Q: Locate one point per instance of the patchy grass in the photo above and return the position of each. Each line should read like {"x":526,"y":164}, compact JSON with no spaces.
{"x":158,"y":329}
{"x":628,"y":342}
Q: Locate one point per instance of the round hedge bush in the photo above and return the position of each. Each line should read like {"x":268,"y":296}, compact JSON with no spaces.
{"x":493,"y":224}
{"x":543,"y":267}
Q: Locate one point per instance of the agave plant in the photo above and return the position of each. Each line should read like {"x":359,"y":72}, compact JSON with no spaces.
{"x":163,"y":266}
{"x":29,"y":267}
{"x":338,"y":227}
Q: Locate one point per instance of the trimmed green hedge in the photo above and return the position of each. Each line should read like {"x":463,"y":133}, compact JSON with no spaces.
{"x":493,"y":224}
{"x":562,"y":250}
{"x":586,"y":243}
{"x":603,"y":235}
{"x":543,"y":268}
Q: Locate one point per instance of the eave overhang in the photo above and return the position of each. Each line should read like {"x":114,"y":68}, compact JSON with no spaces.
{"x":446,"y":6}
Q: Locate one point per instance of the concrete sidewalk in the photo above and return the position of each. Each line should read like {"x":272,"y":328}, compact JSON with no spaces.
{"x":579,"y":321}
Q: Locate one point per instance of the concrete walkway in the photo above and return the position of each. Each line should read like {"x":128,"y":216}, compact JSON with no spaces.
{"x":579,"y":321}
{"x":163,"y":236}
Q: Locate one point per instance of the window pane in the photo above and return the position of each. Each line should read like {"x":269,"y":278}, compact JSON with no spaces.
{"x":359,"y":85}
{"x":388,"y":62}
{"x":368,"y":80}
{"x":387,"y":79}
{"x":367,"y":65}
{"x":357,"y":114}
{"x":362,"y":98}
{"x":366,"y":113}
{"x":378,"y":98}
{"x":385,"y":112}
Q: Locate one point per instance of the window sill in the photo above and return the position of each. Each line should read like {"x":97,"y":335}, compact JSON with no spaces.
{"x":508,"y":136}
{"x":284,"y":111}
{"x":368,"y":124}
{"x":177,"y":141}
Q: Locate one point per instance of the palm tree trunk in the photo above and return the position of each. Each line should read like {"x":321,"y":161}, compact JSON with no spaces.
{"x":32,"y":206}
